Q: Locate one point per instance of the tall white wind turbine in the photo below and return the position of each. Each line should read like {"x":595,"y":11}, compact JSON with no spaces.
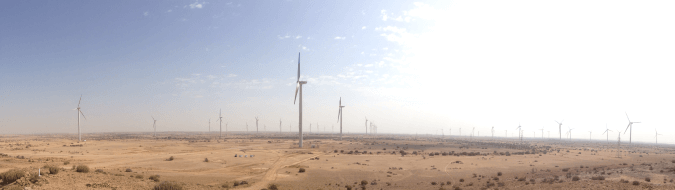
{"x":366,"y":125}
{"x":220,"y":118}
{"x":209,"y":124}
{"x":79,"y":112}
{"x":560,"y":128}
{"x":256,"y":124}
{"x":279,"y":125}
{"x":154,"y":126}
{"x":340,"y":116}
{"x":299,"y":87}
{"x":493,"y":132}
{"x":630,"y":125}
{"x":542,"y":132}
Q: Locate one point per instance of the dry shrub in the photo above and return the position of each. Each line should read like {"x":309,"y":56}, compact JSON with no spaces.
{"x":598,"y":178}
{"x":364,"y":182}
{"x":12,"y":175}
{"x":82,"y":168}
{"x":433,"y":183}
{"x":461,"y":180}
{"x":575,"y":178}
{"x":648,"y":179}
{"x":565,"y":169}
{"x":128,"y":170}
{"x":170,"y":158}
{"x":636,"y":183}
{"x":522,"y":179}
{"x":154,"y":178}
{"x":499,"y":173}
{"x":272,"y":187}
{"x":168,"y":185}
{"x":66,"y":162}
{"x":139,"y":176}
{"x":301,"y":170}
{"x":52,"y":169}
{"x":206,"y":159}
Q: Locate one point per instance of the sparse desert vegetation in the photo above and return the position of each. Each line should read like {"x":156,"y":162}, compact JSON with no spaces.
{"x":470,"y":164}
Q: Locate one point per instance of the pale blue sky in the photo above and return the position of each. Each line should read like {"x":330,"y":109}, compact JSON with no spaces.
{"x":411,"y":67}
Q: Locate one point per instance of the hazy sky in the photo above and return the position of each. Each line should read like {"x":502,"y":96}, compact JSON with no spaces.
{"x":411,"y":67}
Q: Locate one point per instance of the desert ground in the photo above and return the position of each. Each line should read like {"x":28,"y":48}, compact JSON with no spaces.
{"x":273,"y":160}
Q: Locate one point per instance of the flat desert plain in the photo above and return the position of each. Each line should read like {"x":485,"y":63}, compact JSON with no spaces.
{"x":274,"y":161}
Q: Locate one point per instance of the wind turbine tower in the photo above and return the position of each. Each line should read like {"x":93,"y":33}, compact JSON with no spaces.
{"x":79,"y":112}
{"x":607,"y":131}
{"x":560,"y":128}
{"x":154,"y":126}
{"x":220,"y":118}
{"x":340,"y":116}
{"x":657,"y":136}
{"x":299,"y":87}
{"x":366,"y":125}
{"x":630,"y":125}
{"x":256,"y":125}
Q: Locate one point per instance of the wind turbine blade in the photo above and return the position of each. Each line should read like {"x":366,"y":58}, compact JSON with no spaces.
{"x":296,"y":92}
{"x":604,"y":132}
{"x":298,"y":66}
{"x":85,"y":118}
{"x":637,"y":122}
{"x":78,"y":103}
{"x":627,"y":116}
{"x":340,"y":101}
{"x":624,"y":132}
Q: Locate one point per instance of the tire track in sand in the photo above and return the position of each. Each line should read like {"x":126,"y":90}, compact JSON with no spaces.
{"x":271,"y":174}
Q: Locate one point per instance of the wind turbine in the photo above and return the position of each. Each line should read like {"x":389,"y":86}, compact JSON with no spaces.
{"x":340,"y":116}
{"x":657,"y":136}
{"x":474,"y":128}
{"x":366,"y":125}
{"x":560,"y":127}
{"x":246,"y":127}
{"x":493,"y":132}
{"x":79,"y":112}
{"x":154,"y":126}
{"x":299,"y":87}
{"x":209,"y":124}
{"x":590,"y":135}
{"x":279,"y":125}
{"x":220,"y":118}
{"x":607,"y":131}
{"x":519,"y":132}
{"x":256,"y":124}
{"x":630,"y":125}
{"x":570,"y":132}
{"x":542,"y":132}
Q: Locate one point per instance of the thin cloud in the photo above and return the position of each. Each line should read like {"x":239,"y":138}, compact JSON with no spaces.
{"x":340,"y":38}
{"x":363,"y":28}
{"x":169,"y":11}
{"x":368,"y":65}
{"x":383,"y":13}
{"x":231,"y":75}
{"x":195,"y":5}
{"x":146,"y":13}
{"x":298,"y":37}
{"x":283,"y":37}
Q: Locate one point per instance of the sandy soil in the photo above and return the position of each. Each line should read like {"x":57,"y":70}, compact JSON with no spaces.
{"x":331,"y":164}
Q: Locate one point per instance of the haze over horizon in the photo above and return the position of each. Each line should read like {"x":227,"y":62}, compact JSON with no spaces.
{"x":408,"y":66}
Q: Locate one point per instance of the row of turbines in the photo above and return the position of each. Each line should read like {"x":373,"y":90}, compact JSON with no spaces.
{"x":298,"y":88}
{"x":568,"y":133}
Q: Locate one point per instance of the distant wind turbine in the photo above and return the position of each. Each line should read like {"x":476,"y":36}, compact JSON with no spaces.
{"x":630,"y":125}
{"x":366,"y":125}
{"x":560,"y":128}
{"x":493,"y":132}
{"x":154,"y":126}
{"x":209,"y":124}
{"x":340,"y":116}
{"x":542,"y":132}
{"x":590,"y":135}
{"x":256,"y":125}
{"x":656,"y":136}
{"x":279,"y":125}
{"x":520,"y":132}
{"x":299,"y":87}
{"x":79,"y":112}
{"x":220,"y":118}
{"x":607,"y":131}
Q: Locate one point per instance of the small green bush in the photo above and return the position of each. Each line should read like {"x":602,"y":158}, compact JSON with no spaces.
{"x":82,"y":168}
{"x":168,"y":185}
